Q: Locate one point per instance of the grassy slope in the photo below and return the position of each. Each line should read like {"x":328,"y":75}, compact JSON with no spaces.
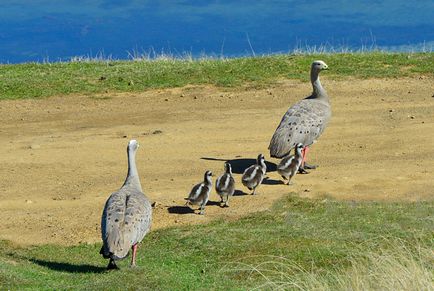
{"x":42,"y":80}
{"x":318,"y":236}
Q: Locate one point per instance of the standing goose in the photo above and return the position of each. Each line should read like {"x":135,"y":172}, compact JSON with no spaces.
{"x":199,"y":195}
{"x":289,"y":165}
{"x":225,"y":185}
{"x":127,"y":216}
{"x":253,"y":175}
{"x":305,"y":121}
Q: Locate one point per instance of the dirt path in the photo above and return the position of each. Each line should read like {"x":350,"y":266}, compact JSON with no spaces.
{"x":61,"y":157}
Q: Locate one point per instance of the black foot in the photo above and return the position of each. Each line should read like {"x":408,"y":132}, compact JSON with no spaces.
{"x":302,"y":171}
{"x":310,"y":167}
{"x":112,"y":265}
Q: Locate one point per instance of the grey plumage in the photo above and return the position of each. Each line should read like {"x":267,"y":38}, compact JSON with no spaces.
{"x":305,"y":121}
{"x":253,"y":175}
{"x":289,"y":165}
{"x":127,"y":215}
{"x":225,"y":185}
{"x":199,"y":195}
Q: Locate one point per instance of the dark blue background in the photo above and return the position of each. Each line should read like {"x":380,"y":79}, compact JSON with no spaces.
{"x":58,"y":30}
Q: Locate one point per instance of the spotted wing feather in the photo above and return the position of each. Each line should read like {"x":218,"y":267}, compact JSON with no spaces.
{"x":125,"y":221}
{"x":303,"y":123}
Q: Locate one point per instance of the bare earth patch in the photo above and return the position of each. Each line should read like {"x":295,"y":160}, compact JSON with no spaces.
{"x":62,"y":157}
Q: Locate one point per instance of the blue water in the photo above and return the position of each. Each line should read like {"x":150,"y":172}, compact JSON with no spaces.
{"x":43,"y":30}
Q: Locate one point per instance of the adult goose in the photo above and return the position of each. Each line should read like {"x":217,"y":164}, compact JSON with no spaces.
{"x":127,"y":216}
{"x":304,"y":122}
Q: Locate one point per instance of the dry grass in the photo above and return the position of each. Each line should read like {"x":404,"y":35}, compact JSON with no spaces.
{"x":397,"y":267}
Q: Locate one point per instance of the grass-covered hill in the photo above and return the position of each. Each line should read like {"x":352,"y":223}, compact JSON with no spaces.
{"x":41,"y":80}
{"x":299,"y":244}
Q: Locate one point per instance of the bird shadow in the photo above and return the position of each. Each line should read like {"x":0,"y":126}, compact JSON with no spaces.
{"x":239,"y":165}
{"x":213,"y":203}
{"x":180,"y":209}
{"x":68,"y":267}
{"x":268,"y":181}
{"x":240,"y":193}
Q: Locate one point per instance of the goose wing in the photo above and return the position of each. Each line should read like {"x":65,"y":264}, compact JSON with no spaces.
{"x":302,"y":123}
{"x":138,"y":215}
{"x":115,"y":245}
{"x":125,"y":221}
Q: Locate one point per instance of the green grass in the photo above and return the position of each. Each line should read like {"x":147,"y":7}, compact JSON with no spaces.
{"x":304,"y":242}
{"x":43,"y":80}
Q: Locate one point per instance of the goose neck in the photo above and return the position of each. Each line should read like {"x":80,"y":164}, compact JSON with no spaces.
{"x":263,"y":165}
{"x":318,"y":89}
{"x":208,"y":180}
{"x":133,"y":175}
{"x":298,"y":151}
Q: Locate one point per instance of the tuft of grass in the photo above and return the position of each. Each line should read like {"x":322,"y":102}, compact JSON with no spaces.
{"x":397,"y":267}
{"x":36,"y":80}
{"x":310,"y":242}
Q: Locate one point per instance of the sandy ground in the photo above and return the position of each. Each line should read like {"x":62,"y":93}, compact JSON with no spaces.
{"x":62,"y":157}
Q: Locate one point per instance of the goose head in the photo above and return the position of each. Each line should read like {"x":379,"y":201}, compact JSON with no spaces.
{"x":319,"y":66}
{"x":299,"y":147}
{"x":207,"y":176}
{"x":228,"y":168}
{"x":133,"y":145}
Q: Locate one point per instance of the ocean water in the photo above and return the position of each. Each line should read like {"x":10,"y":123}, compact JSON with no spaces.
{"x":42,"y":30}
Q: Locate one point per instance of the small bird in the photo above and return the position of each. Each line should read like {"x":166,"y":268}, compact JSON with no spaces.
{"x":289,"y":165}
{"x":304,"y":122}
{"x":199,"y":195}
{"x":127,"y":216}
{"x":253,"y":175}
{"x":225,"y":185}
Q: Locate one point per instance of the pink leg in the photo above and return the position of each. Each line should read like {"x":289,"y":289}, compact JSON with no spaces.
{"x":133,"y":259}
{"x":301,"y":170}
{"x":304,"y":154}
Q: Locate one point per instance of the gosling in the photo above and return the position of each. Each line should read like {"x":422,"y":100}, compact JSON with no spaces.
{"x":199,"y":195}
{"x":289,"y":165}
{"x":225,"y":185}
{"x":254,"y":174}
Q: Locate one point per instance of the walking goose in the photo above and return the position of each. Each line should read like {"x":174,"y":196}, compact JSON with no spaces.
{"x":304,"y":122}
{"x":225,"y":185}
{"x":127,"y":216}
{"x":199,"y":195}
{"x":253,"y":175}
{"x":289,"y":165}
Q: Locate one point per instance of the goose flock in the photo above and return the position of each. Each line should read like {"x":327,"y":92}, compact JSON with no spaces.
{"x":127,"y":214}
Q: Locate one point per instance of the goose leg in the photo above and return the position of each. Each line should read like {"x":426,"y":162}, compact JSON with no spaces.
{"x":289,"y":181}
{"x":309,"y":166}
{"x":112,"y":265}
{"x":304,"y":165}
{"x":227,"y":202}
{"x":133,"y":258}
{"x":202,"y":208}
